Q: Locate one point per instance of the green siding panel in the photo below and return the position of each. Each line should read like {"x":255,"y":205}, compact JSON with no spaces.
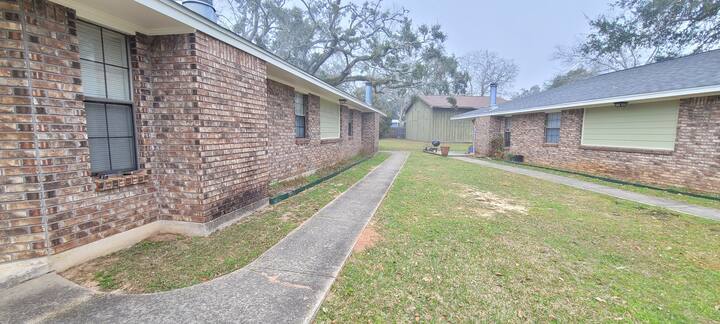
{"x":423,"y":123}
{"x":641,"y":126}
{"x":329,"y":120}
{"x":417,"y":125}
{"x":447,"y":130}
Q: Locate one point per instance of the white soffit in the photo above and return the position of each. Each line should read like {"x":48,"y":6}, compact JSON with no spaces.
{"x":163,"y":17}
{"x":126,"y":16}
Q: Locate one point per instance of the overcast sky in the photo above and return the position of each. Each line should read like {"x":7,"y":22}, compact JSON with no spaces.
{"x":526,"y":31}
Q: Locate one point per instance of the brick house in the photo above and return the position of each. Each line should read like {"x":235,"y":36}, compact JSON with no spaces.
{"x":124,"y":118}
{"x":657,"y":124}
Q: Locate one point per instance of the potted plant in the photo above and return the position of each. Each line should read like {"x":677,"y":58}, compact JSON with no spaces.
{"x":444,"y":150}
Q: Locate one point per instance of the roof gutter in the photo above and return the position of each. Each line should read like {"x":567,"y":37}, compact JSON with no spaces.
{"x":645,"y":97}
{"x":180,"y":13}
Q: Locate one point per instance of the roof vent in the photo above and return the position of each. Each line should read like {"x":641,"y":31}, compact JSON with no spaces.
{"x":368,"y":93}
{"x":493,"y":96}
{"x":203,"y":7}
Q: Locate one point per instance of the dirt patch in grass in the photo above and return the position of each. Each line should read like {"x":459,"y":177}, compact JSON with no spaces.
{"x":164,"y":237}
{"x":490,"y":203}
{"x":367,"y":239}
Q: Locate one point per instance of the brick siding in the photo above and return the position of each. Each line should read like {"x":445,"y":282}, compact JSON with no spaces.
{"x":55,"y":206}
{"x":212,"y":132}
{"x":694,"y":164}
{"x":232,"y":99}
{"x":486,"y":129}
{"x":290,"y":156}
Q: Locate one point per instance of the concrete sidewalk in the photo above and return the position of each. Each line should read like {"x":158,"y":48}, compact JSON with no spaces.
{"x":699,"y":211}
{"x":286,"y":284}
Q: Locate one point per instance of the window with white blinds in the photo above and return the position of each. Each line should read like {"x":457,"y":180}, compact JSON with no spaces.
{"x":103,"y":62}
{"x":329,"y":120}
{"x":552,"y":128}
{"x":106,"y":84}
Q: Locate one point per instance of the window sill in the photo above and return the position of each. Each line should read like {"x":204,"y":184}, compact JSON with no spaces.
{"x":330,"y":140}
{"x":302,"y":141}
{"x":120,"y":181}
{"x":626,"y":150}
{"x":551,"y":144}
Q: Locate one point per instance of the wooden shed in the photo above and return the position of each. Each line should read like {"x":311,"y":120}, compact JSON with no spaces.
{"x":427,"y":118}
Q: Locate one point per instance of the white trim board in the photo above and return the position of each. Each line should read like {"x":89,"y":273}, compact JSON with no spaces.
{"x":637,"y":98}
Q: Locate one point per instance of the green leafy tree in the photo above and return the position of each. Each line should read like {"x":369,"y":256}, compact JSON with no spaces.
{"x":343,"y":42}
{"x":647,"y":31}
{"x":569,"y":77}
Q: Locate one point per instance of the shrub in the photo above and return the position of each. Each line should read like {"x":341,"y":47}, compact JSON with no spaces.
{"x":497,"y":147}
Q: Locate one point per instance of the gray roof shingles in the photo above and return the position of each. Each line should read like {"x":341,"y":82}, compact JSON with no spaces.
{"x":476,"y":102}
{"x":692,"y":71}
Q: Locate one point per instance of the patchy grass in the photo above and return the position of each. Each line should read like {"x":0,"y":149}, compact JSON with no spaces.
{"x":168,"y":262}
{"x":648,"y":191}
{"x":297,"y":182}
{"x":463,"y":243}
{"x":391,"y":144}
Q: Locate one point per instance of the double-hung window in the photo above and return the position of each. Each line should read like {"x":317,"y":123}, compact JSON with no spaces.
{"x":301,"y":102}
{"x":506,"y":132}
{"x":105,"y":76}
{"x":552,"y":128}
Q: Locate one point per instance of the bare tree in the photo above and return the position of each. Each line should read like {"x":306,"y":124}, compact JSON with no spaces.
{"x":485,"y":67}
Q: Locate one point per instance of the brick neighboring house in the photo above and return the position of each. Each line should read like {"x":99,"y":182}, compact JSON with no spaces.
{"x":124,"y":118}
{"x":657,"y":124}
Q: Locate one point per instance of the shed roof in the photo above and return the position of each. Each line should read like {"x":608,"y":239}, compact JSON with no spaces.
{"x":472,"y":102}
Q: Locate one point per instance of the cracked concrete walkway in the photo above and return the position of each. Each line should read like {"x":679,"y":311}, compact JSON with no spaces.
{"x":699,"y":211}
{"x":286,"y":284}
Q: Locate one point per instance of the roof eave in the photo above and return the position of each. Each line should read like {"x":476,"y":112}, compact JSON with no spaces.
{"x":200,"y":23}
{"x":645,"y":97}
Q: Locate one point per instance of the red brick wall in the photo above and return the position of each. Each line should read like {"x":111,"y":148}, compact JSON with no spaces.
{"x":486,"y":129}
{"x":232,"y":98}
{"x":370,"y":132}
{"x":211,"y":133}
{"x":694,"y":164}
{"x":290,"y":156}
{"x":170,"y":125}
{"x":54,"y":204}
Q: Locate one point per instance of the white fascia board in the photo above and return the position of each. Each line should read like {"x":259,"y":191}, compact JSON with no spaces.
{"x":645,"y":97}
{"x":178,"y":12}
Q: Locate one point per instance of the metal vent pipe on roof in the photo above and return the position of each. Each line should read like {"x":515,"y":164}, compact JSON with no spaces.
{"x":368,"y":93}
{"x":493,"y":95}
{"x":203,"y":7}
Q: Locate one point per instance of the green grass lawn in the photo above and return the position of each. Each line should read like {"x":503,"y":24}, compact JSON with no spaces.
{"x":463,"y":243}
{"x":175,"y":261}
{"x":391,"y":144}
{"x":648,"y":191}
